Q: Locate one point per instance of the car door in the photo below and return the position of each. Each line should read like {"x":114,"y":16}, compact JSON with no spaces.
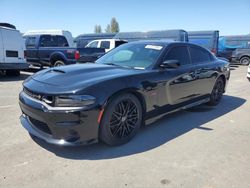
{"x":203,"y":70}
{"x":31,"y":49}
{"x":45,"y":43}
{"x":177,"y":83}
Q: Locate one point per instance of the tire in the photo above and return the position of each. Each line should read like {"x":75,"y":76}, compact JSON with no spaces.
{"x":58,"y":63}
{"x":13,"y":72}
{"x":245,"y":60}
{"x":121,"y":120}
{"x":217,"y":92}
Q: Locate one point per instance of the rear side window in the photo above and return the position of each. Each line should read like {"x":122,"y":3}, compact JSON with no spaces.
{"x":179,"y":53}
{"x":105,"y":44}
{"x":45,"y":41}
{"x":62,"y":42}
{"x":53,"y":41}
{"x":199,"y":55}
{"x":30,"y":42}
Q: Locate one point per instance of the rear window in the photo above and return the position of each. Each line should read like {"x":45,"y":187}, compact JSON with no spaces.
{"x":199,"y":55}
{"x":31,"y":42}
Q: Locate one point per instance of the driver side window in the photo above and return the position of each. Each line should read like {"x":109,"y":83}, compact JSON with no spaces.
{"x":179,"y":53}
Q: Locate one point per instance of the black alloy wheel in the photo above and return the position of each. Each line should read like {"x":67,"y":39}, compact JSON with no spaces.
{"x":217,"y":92}
{"x":121,"y":120}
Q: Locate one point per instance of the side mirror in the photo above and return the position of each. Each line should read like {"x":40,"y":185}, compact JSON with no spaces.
{"x":171,"y":64}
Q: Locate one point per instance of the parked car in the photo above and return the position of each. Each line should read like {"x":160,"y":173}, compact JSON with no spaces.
{"x":227,"y":44}
{"x":171,"y":35}
{"x":82,"y":40}
{"x":54,"y":50}
{"x":110,"y":100}
{"x":248,"y":72}
{"x":206,"y":39}
{"x":241,"y":56}
{"x":107,"y":44}
{"x":12,"y":48}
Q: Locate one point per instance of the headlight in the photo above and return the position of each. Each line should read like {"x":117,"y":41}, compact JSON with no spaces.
{"x":74,"y":100}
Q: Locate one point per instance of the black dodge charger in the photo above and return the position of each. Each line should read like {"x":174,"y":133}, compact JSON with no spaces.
{"x":110,"y":99}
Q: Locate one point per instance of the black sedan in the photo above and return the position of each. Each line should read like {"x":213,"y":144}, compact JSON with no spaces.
{"x":111,"y":99}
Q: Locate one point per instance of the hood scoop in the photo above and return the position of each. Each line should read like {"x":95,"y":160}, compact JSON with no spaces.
{"x":56,"y":70}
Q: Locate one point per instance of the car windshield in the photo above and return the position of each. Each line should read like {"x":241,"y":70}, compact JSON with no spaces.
{"x":132,"y":55}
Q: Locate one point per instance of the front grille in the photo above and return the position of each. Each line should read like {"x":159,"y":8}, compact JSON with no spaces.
{"x":45,"y":98}
{"x":40,"y":125}
{"x":32,"y":94}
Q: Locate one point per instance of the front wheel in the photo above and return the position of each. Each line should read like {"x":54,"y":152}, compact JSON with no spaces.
{"x":121,"y":120}
{"x":245,"y":61}
{"x":217,"y":92}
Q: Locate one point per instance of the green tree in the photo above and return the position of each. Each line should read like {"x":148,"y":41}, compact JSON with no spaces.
{"x":98,"y":29}
{"x":114,"y":26}
{"x":108,"y":29}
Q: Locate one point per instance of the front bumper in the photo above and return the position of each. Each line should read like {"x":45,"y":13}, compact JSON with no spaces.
{"x":59,"y":127}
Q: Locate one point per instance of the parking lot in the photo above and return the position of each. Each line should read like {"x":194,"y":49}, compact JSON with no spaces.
{"x":200,"y":147}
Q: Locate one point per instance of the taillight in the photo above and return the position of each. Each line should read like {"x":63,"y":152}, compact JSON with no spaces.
{"x":77,"y":54}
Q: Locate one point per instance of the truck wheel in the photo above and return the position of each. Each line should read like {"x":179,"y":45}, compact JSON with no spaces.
{"x":245,"y":61}
{"x":13,"y":72}
{"x":59,"y":63}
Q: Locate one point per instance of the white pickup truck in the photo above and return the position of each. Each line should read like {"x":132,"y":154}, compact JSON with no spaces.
{"x":107,"y":44}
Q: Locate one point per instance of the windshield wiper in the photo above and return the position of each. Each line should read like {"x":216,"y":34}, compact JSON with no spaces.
{"x":125,"y":66}
{"x":111,"y":64}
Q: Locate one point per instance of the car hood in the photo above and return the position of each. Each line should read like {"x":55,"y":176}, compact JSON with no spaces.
{"x":80,"y":75}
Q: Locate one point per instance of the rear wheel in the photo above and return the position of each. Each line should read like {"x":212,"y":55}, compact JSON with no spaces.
{"x":245,"y":61}
{"x":59,"y":63}
{"x":217,"y":92}
{"x":13,"y":72}
{"x":121,"y":120}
